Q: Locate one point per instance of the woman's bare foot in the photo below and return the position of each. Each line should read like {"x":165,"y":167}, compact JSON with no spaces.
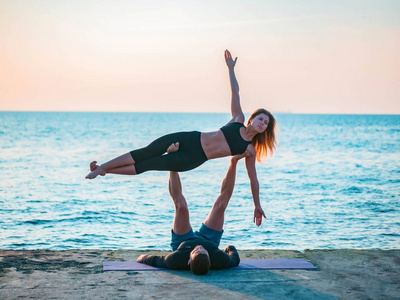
{"x":173,"y":147}
{"x":96,"y":170}
{"x":93,"y":165}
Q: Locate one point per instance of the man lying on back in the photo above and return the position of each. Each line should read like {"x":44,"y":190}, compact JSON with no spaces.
{"x":198,"y":251}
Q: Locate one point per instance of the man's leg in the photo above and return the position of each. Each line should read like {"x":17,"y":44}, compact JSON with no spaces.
{"x":215,"y":219}
{"x":181,"y":224}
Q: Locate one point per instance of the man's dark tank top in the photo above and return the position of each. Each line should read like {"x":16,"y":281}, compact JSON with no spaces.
{"x":236,"y":143}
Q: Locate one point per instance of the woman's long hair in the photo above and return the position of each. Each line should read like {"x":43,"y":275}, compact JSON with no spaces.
{"x":265,"y":142}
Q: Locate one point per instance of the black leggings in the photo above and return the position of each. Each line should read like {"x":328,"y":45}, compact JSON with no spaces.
{"x":153,"y":158}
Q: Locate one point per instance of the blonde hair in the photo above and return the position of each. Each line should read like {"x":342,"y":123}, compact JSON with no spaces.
{"x":265,"y":142}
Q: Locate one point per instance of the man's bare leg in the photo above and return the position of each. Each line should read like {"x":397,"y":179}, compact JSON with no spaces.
{"x":215,"y":219}
{"x":181,"y":224}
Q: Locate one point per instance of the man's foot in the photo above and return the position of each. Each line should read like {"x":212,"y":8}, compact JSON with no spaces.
{"x":173,"y":147}
{"x":96,"y":170}
{"x":240,"y":156}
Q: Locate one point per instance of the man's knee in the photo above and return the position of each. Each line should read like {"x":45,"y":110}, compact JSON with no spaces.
{"x":221,"y":204}
{"x":181,"y":205}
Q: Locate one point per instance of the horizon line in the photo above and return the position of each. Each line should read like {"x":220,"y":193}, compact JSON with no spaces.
{"x":193,"y":112}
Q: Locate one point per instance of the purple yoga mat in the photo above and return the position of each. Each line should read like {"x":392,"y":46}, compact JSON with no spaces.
{"x":245,"y":264}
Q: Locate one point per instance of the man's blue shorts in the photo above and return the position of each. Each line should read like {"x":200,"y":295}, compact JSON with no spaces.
{"x":203,"y":233}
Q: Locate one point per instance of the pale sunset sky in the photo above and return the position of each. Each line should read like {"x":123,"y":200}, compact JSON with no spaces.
{"x":167,"y":56}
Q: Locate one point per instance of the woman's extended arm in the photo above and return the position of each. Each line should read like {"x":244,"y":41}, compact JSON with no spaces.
{"x":255,"y":189}
{"x":236,"y":110}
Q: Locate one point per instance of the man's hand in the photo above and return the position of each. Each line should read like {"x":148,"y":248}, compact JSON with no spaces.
{"x":142,"y":258}
{"x":230,"y":248}
{"x":258,"y":215}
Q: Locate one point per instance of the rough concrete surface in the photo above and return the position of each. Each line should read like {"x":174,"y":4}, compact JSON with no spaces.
{"x":78,"y":274}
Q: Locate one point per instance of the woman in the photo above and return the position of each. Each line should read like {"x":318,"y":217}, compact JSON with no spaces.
{"x":258,"y":139}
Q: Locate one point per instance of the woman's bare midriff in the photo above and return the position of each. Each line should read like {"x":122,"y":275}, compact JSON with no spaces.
{"x":214,"y":144}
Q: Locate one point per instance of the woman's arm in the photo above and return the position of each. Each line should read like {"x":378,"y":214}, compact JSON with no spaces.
{"x":236,"y":109}
{"x":255,"y":189}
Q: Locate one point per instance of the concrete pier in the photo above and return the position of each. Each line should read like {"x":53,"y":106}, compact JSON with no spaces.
{"x":78,"y":274}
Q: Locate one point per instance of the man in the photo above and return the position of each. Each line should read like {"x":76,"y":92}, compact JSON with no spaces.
{"x":198,"y":251}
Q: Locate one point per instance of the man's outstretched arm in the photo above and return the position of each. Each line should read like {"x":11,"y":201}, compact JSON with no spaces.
{"x":152,"y":260}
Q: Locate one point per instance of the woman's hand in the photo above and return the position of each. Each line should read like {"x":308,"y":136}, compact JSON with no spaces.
{"x":258,"y":215}
{"x":229,"y":61}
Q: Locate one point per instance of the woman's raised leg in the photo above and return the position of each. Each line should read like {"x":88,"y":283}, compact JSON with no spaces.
{"x":122,"y":165}
{"x":127,"y":170}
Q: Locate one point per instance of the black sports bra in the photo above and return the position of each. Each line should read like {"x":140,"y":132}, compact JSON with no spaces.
{"x":236,"y":143}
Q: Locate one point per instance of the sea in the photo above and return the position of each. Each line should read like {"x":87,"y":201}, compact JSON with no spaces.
{"x":333,"y":183}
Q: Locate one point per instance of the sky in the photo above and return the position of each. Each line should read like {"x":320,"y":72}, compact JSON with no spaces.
{"x":296,"y":56}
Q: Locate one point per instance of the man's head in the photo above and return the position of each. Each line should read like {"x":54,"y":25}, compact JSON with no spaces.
{"x":199,"y":261}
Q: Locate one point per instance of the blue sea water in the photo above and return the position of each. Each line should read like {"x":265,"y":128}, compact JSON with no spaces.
{"x":334,"y":182}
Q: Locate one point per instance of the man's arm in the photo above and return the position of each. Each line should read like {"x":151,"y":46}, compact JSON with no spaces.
{"x":234,"y":259}
{"x":224,"y":259}
{"x":153,"y":260}
{"x":177,"y":260}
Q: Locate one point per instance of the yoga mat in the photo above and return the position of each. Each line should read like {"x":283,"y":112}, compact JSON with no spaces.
{"x":245,"y":264}
{"x":277,"y":264}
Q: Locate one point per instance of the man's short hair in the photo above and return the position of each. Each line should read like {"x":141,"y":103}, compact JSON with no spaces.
{"x":200,"y":264}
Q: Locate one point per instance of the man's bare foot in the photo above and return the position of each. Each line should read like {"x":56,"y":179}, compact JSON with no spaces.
{"x":240,"y":156}
{"x":173,"y":147}
{"x":96,"y":170}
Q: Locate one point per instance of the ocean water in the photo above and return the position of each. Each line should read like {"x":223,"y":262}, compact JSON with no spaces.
{"x":333,"y":183}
